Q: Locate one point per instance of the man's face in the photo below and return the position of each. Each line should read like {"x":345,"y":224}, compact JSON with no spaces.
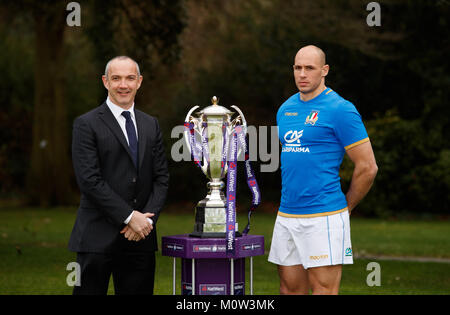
{"x":122,"y":82}
{"x":309,"y":70}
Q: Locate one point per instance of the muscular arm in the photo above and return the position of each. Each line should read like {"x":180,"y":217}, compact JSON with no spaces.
{"x":363,"y":174}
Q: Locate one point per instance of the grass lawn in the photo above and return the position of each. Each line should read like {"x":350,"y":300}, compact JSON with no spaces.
{"x":34,"y":255}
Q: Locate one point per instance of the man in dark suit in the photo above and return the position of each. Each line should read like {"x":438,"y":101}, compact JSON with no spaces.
{"x":121,"y":170}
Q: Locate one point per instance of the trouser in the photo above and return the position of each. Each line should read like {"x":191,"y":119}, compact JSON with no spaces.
{"x":133,"y":273}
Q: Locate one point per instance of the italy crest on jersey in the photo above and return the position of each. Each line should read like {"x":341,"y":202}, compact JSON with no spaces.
{"x":312,"y":117}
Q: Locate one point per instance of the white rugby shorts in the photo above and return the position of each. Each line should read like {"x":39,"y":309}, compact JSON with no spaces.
{"x":312,"y":242}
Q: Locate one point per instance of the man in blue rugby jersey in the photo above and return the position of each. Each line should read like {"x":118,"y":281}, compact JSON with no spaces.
{"x":317,"y":127}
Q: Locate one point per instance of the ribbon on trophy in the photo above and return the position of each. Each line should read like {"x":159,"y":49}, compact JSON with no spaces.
{"x":231,"y":197}
{"x":225,"y":147}
{"x":199,"y":152}
{"x":205,"y":142}
{"x":250,"y":176}
{"x":239,"y":136}
{"x":196,"y":148}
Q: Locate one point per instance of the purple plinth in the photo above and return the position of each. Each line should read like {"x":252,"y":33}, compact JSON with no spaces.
{"x":211,"y":264}
{"x":185,"y":246}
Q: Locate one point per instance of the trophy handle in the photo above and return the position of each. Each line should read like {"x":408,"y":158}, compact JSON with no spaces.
{"x":186,"y":134}
{"x":186,"y":137}
{"x":244,"y":124}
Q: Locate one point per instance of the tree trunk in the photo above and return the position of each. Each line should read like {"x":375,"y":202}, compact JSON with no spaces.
{"x":49,"y":176}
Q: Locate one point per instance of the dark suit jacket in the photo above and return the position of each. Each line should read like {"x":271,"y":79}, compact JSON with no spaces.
{"x":110,"y":184}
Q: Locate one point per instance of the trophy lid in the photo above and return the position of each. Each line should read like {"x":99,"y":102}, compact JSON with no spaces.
{"x":216,"y":109}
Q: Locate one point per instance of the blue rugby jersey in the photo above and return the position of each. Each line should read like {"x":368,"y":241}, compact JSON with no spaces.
{"x":314,"y":136}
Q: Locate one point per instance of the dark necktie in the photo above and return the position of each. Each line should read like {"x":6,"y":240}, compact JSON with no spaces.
{"x":132,"y":139}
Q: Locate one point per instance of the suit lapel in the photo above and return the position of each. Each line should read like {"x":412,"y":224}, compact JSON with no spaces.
{"x":108,"y":118}
{"x":142,"y":135}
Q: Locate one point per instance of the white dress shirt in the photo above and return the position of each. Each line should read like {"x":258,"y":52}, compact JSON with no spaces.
{"x":117,"y":112}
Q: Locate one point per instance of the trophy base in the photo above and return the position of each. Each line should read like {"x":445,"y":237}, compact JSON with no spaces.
{"x":199,"y":234}
{"x":210,"y":222}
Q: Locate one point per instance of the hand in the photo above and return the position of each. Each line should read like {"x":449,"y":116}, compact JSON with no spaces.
{"x":130,"y":235}
{"x":139,"y":223}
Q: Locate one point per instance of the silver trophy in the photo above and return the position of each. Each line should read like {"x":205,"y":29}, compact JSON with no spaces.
{"x":210,"y":213}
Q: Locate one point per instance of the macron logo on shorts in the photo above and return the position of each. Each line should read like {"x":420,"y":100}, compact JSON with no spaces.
{"x":320,"y":257}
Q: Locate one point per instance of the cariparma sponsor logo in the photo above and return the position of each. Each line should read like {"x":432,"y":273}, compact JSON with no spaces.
{"x":292,"y":138}
{"x":293,"y":143}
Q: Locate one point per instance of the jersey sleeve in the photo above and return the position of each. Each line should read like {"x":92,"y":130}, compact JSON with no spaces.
{"x":349,"y":127}
{"x":279,"y":113}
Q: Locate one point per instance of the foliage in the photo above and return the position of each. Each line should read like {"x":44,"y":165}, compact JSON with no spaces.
{"x":16,"y":101}
{"x":397,"y":75}
{"x":413,"y":171}
{"x":135,"y":28}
